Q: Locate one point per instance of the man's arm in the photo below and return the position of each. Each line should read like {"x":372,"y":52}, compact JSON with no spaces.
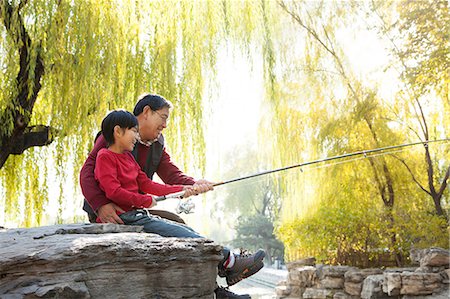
{"x":105,"y":209}
{"x":170,"y":173}
{"x":89,"y":185}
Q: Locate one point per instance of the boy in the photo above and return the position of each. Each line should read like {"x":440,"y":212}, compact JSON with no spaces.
{"x":121,"y":178}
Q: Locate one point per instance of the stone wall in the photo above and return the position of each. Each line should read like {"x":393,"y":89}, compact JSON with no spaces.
{"x":104,"y":261}
{"x":429,"y":279}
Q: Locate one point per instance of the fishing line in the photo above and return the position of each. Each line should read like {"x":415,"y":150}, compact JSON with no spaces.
{"x":310,"y":168}
{"x":306,"y":165}
{"x":364,"y":153}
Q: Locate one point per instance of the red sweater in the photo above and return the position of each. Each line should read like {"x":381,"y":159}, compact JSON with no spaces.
{"x":167,"y":171}
{"x":121,"y":178}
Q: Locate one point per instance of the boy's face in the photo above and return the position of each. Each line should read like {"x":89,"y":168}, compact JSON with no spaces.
{"x":153,"y":123}
{"x":126,"y":138}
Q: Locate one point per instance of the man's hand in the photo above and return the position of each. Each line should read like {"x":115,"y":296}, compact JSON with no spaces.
{"x":202,"y":186}
{"x":107,"y":213}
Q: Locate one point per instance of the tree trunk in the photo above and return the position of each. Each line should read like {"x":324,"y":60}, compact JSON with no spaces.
{"x":21,"y":137}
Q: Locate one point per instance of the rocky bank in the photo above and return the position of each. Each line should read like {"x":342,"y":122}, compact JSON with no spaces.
{"x":104,"y":261}
{"x":428,"y":278}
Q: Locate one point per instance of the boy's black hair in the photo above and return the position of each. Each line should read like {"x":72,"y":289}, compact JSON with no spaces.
{"x":121,"y":118}
{"x":154,"y":101}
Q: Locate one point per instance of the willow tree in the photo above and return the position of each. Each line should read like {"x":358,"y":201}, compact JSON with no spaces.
{"x":334,"y":107}
{"x":420,"y":43}
{"x":66,"y":63}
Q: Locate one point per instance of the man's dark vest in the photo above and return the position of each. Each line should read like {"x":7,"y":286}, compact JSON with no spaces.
{"x":153,"y":157}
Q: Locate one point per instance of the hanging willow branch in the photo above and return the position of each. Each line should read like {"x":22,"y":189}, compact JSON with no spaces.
{"x":20,"y":137}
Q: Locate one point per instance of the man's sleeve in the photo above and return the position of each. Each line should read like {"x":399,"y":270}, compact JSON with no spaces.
{"x":89,"y":185}
{"x":170,"y":173}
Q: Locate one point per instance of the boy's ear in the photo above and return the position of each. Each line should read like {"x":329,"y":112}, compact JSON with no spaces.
{"x":117,"y":130}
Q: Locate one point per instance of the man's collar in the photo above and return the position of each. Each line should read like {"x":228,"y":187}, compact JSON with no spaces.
{"x":160,"y":139}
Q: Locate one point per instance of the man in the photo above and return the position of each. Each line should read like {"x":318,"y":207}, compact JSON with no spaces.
{"x":152,"y":113}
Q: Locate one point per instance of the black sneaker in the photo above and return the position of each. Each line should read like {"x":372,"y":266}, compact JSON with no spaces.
{"x":225,"y":293}
{"x":245,"y":265}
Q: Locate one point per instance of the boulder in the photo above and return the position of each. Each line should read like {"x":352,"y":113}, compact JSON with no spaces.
{"x":431,"y":257}
{"x":436,"y":257}
{"x":314,"y":293}
{"x":372,"y":287}
{"x":392,"y":283}
{"x":302,"y":277}
{"x":354,"y":279}
{"x":309,"y":261}
{"x":420,"y":283}
{"x":104,"y":261}
{"x":332,"y":277}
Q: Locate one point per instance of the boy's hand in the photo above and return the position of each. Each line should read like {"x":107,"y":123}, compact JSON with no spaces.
{"x":108,"y":213}
{"x":151,"y":203}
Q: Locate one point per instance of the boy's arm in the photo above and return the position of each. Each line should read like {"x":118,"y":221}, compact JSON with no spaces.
{"x":106,"y":174}
{"x":148,"y":186}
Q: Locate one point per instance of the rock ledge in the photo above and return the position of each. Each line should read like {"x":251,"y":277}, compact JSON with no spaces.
{"x":104,"y":261}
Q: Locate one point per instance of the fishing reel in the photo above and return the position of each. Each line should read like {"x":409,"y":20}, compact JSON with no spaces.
{"x":185,"y":206}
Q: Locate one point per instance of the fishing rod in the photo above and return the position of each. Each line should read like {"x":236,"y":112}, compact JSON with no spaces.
{"x":186,"y":206}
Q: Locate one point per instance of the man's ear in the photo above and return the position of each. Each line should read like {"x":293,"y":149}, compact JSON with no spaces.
{"x":146,"y":111}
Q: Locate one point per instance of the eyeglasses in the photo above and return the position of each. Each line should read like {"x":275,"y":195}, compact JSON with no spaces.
{"x":165,"y":118}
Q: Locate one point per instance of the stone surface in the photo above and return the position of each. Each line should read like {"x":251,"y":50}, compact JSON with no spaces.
{"x":372,"y":287}
{"x":443,"y":294}
{"x":332,"y":277}
{"x":309,"y":261}
{"x":282,"y":291}
{"x":343,"y":295}
{"x":302,"y":277}
{"x":354,"y":279}
{"x":392,"y":283}
{"x":331,"y":283}
{"x":431,"y":257}
{"x":104,"y":261}
{"x":420,"y":283}
{"x":314,"y":293}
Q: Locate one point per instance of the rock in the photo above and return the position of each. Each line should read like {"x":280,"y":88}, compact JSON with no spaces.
{"x":313,"y":293}
{"x":343,"y":295}
{"x":400,"y":270}
{"x":392,"y":283}
{"x":354,"y":279}
{"x":332,"y":277}
{"x":334,"y":271}
{"x":431,"y":257}
{"x":444,"y":294}
{"x":302,"y":277}
{"x":331,"y":283}
{"x":360,"y":274}
{"x":309,"y":261}
{"x":445,"y":276}
{"x":104,"y":261}
{"x":436,"y":257}
{"x":372,"y":287}
{"x":420,"y":283}
{"x":282,"y":291}
{"x":428,"y":269}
